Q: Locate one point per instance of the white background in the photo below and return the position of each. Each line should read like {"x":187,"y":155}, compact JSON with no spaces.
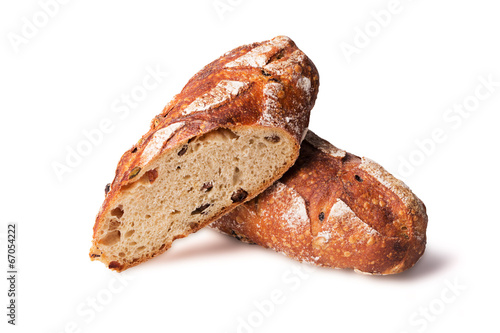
{"x":70,"y":73}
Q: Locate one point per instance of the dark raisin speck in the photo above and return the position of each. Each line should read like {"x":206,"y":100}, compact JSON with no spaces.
{"x":358,"y":178}
{"x":183,"y":150}
{"x":200,"y":209}
{"x":107,"y":188}
{"x":239,"y":195}
{"x":273,"y":138}
{"x":321,"y":217}
{"x":265,"y":73}
{"x":207,"y":186}
{"x":115,"y":264}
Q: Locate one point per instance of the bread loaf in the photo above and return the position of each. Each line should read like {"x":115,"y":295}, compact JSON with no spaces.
{"x":231,"y":132}
{"x":335,"y":209}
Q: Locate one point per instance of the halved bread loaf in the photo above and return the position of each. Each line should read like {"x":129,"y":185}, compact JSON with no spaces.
{"x":233,"y":130}
{"x":335,"y":209}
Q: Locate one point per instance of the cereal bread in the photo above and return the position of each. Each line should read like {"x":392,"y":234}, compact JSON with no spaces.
{"x":233,"y":130}
{"x":335,"y":209}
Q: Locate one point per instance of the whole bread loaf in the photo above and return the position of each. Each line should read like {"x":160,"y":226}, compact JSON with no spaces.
{"x":335,"y":209}
{"x":233,"y":130}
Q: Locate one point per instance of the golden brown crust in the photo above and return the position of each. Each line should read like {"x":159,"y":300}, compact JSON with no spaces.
{"x":267,"y":84}
{"x":335,"y":209}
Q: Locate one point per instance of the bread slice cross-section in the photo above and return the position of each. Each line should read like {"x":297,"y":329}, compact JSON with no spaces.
{"x":234,"y":129}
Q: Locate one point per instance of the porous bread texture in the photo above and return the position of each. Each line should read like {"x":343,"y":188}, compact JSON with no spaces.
{"x":188,"y":186}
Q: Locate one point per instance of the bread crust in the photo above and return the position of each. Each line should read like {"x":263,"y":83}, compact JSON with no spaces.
{"x":271,"y":84}
{"x":335,"y":209}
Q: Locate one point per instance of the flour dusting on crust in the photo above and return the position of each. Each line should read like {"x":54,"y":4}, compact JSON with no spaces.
{"x":325,"y":146}
{"x":222,"y":93}
{"x":341,"y":212}
{"x":291,"y":207}
{"x":305,"y":84}
{"x":293,"y":123}
{"x":272,"y":91}
{"x":297,"y":214}
{"x":158,"y":140}
{"x":259,"y":56}
{"x":385,"y":178}
{"x":271,"y":103}
{"x":280,"y":67}
{"x":326,"y":235}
